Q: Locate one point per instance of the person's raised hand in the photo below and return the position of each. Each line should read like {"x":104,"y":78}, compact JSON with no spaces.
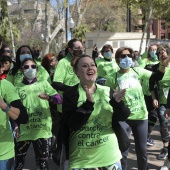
{"x":119,"y":95}
{"x":88,"y":94}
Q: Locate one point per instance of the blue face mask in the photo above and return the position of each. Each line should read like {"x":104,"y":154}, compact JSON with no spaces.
{"x":154,"y":57}
{"x":107,"y":55}
{"x":126,"y":62}
{"x":24,"y":56}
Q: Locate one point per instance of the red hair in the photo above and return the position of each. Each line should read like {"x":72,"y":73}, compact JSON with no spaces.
{"x":46,"y":60}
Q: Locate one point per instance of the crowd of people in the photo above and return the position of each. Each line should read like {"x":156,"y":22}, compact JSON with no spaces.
{"x":81,"y":110}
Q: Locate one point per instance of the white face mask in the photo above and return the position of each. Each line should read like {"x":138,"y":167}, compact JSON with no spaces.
{"x":126,"y":62}
{"x":30,"y":73}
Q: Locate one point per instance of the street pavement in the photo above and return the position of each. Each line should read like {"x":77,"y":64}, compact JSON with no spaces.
{"x":153,"y":151}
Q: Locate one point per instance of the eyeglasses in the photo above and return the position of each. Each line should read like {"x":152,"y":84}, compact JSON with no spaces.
{"x":33,"y":66}
{"x":8,"y":51}
{"x":125,"y":55}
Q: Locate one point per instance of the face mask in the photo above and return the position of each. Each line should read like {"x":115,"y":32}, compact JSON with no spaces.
{"x":125,"y":63}
{"x":30,"y":73}
{"x":37,"y":54}
{"x":154,"y":57}
{"x":24,"y":56}
{"x":107,"y":55}
{"x":78,"y":53}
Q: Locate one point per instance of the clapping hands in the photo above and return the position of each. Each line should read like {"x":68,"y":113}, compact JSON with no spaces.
{"x":119,"y":95}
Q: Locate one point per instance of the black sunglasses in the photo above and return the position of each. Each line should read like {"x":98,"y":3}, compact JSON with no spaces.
{"x":125,"y":55}
{"x":8,"y":51}
{"x":33,"y":66}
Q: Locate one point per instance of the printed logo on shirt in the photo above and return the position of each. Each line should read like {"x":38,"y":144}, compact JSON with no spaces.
{"x":91,"y":134}
{"x":129,"y":82}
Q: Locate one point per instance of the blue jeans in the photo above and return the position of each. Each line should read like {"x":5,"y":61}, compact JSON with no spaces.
{"x":7,"y":164}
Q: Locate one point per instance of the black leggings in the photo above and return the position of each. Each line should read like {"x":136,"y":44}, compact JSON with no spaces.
{"x":42,"y":151}
{"x":139,"y":129}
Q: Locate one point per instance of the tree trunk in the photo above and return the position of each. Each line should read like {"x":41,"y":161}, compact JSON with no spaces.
{"x":148,"y":26}
{"x":47,"y":33}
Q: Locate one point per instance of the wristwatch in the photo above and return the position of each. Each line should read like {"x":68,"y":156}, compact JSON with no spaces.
{"x":7,"y":109}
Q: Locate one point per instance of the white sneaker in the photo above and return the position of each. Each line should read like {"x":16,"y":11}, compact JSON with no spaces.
{"x":166,"y":165}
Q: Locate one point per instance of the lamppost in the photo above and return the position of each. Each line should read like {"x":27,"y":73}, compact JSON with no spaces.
{"x":71,"y":26}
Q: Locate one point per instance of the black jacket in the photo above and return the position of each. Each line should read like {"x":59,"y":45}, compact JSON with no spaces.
{"x":73,"y":117}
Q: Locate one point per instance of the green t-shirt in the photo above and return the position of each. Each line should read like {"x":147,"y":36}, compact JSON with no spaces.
{"x":64,"y":74}
{"x":146,"y":61}
{"x":134,"y":98}
{"x":164,"y":86}
{"x":39,"y":124}
{"x":9,"y":94}
{"x":38,"y":60}
{"x":96,"y":140}
{"x":106,"y":67}
{"x":42,"y":74}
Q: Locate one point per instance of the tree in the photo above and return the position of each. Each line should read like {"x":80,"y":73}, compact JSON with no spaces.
{"x":6,"y":25}
{"x":100,"y":15}
{"x":80,"y":31}
{"x":151,"y":9}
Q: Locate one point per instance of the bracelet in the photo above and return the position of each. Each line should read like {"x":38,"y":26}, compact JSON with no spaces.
{"x":7,"y":109}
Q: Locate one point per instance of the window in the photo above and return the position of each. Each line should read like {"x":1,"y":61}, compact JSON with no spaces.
{"x":115,"y":44}
{"x":122,"y":43}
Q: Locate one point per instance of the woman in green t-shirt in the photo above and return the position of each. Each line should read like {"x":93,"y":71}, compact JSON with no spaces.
{"x":15,"y":76}
{"x":35,"y":96}
{"x":129,"y":79}
{"x":11,"y":109}
{"x":89,"y":117}
{"x":107,"y":64}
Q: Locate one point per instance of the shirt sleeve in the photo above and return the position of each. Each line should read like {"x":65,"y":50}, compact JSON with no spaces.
{"x":75,"y":117}
{"x":155,"y":77}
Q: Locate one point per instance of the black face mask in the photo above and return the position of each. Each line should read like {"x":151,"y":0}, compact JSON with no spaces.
{"x":37,"y":53}
{"x":77,"y":53}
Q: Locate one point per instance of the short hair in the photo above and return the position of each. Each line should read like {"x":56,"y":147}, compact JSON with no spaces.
{"x":163,"y":47}
{"x":106,"y":46}
{"x":71,"y":43}
{"x":120,"y":50}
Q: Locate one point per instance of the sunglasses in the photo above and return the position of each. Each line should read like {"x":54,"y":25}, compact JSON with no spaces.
{"x":8,"y":51}
{"x":125,"y":55}
{"x":33,"y":66}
